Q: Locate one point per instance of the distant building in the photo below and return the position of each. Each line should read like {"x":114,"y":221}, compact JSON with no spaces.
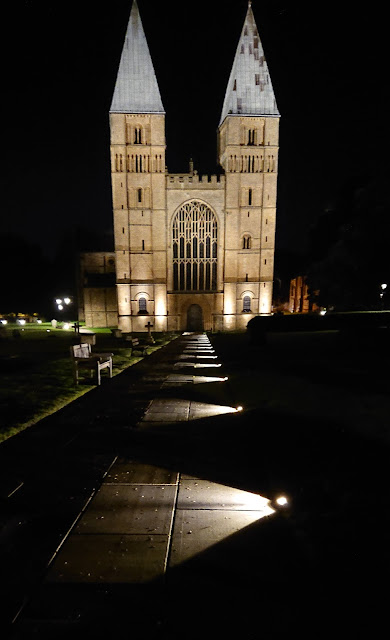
{"x":299,"y":299}
{"x":192,"y":252}
{"x":96,"y":290}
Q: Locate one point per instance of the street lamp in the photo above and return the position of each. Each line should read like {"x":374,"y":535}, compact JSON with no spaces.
{"x":383,"y":287}
{"x":60,"y":302}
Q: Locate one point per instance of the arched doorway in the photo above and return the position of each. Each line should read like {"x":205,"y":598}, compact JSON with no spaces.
{"x":194,"y":318}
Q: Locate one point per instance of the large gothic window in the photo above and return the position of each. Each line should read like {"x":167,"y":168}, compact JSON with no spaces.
{"x":194,"y":248}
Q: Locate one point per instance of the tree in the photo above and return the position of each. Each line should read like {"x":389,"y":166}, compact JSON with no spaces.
{"x":352,"y":257}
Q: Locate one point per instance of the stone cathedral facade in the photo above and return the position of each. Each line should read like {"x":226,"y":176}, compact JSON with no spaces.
{"x":193,"y":252}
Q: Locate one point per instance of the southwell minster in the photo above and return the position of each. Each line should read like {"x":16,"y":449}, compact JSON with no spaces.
{"x":191,"y":252}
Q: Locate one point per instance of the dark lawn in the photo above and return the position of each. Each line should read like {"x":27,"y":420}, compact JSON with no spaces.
{"x":36,"y":376}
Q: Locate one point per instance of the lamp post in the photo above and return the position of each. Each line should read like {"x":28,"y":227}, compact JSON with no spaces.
{"x":383,"y":287}
{"x":63,"y":302}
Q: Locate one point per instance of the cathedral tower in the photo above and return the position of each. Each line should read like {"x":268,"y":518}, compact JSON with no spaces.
{"x":248,"y":152}
{"x":137,"y":124}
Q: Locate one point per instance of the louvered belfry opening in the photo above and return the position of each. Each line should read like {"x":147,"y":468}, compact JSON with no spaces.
{"x":194,"y":236}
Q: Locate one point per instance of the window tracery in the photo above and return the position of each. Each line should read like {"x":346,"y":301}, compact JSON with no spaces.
{"x":194,"y":235}
{"x":246,"y":304}
{"x":142,"y":306}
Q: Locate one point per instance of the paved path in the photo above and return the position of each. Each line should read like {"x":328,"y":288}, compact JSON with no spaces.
{"x":151,"y":531}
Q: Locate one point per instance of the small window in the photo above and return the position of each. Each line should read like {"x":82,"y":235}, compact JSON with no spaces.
{"x":257,"y":78}
{"x":250,"y":196}
{"x":139,"y":195}
{"x":137,"y":135}
{"x":251,"y":137}
{"x":142,"y":309}
{"x":246,"y":304}
{"x":246,"y":242}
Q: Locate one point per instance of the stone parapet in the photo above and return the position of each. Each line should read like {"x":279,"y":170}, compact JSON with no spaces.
{"x":194,"y":181}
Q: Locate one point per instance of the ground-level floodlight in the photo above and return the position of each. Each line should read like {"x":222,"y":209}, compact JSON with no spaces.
{"x":239,"y":408}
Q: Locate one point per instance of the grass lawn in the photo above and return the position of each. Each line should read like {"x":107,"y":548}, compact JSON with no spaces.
{"x":36,"y":376}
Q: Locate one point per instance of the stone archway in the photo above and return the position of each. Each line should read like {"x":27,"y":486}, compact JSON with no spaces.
{"x":194,"y":318}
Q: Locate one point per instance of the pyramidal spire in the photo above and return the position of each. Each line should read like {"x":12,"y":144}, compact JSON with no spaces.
{"x":136,"y":88}
{"x":249,"y":91}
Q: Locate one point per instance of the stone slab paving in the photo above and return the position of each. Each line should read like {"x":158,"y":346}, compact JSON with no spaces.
{"x":123,"y":536}
{"x":110,"y":558}
{"x":146,"y":521}
{"x":207,"y":513}
{"x":133,"y":472}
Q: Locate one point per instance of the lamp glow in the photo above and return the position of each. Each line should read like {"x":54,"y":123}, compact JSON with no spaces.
{"x":60,"y":307}
{"x":239,"y":408}
{"x":67,"y":300}
{"x":4,"y":322}
{"x":58,"y":300}
{"x":281,"y":501}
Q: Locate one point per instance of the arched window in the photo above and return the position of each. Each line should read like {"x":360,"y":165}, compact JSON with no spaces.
{"x":246,"y":304}
{"x":194,"y":235}
{"x":251,"y":137}
{"x":137,"y":135}
{"x":246,"y":242}
{"x":142,"y":307}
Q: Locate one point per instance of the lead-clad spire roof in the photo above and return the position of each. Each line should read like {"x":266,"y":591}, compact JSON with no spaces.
{"x":249,"y":90}
{"x":136,"y":88}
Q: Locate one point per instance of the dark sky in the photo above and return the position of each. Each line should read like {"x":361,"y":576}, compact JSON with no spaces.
{"x":328,"y":67}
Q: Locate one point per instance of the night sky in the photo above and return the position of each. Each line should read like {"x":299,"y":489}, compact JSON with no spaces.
{"x":328,"y":69}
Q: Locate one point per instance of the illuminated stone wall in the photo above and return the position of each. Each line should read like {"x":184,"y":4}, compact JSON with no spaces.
{"x":96,"y":290}
{"x":145,"y":203}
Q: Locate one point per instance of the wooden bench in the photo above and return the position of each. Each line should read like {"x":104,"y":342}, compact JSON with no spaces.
{"x":136,"y":345}
{"x":83,"y":358}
